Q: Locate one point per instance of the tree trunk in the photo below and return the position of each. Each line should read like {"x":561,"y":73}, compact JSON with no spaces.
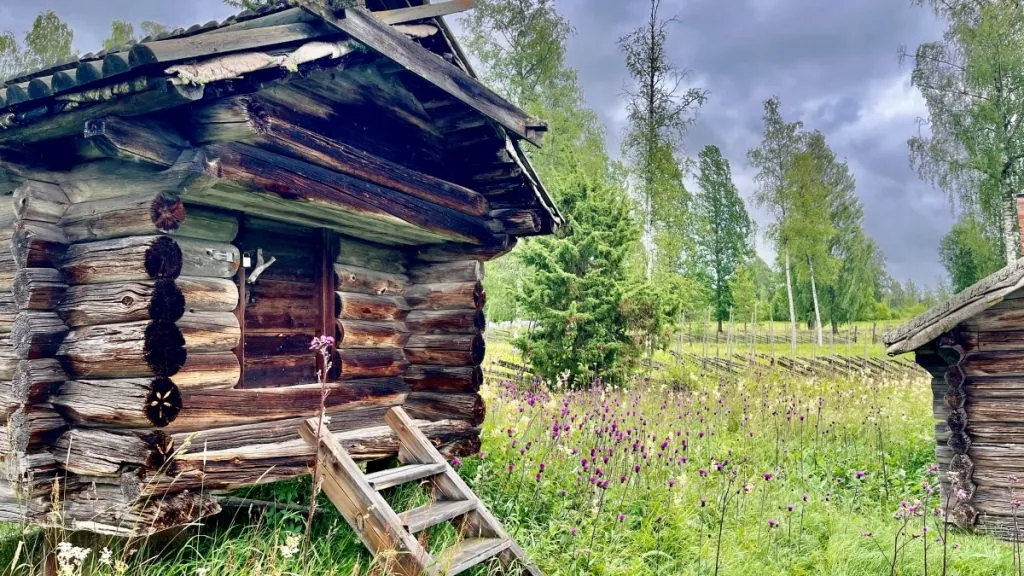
{"x":817,"y":310}
{"x":1009,"y":234}
{"x":792,"y":308}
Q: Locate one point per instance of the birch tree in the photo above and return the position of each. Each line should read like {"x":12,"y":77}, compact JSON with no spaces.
{"x":660,"y":112}
{"x":779,"y":146}
{"x":971,"y":145}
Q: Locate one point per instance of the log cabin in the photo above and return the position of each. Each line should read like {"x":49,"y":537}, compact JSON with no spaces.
{"x":181,"y":216}
{"x":973,"y":347}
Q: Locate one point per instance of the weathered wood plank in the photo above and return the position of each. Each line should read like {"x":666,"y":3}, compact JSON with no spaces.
{"x":362,"y":26}
{"x":357,"y":306}
{"x":366,"y":281}
{"x":337,"y":195}
{"x":446,"y":296}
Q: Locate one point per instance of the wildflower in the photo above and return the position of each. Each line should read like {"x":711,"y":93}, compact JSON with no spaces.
{"x":860,"y":474}
{"x":106,"y":557}
{"x":772,"y":523}
{"x":703,"y":473}
{"x":456,"y":463}
{"x":671,"y":482}
{"x":768,"y":476}
{"x":572,"y":532}
{"x":290,"y":547}
{"x":866,"y":534}
{"x":622,"y":517}
{"x":703,"y":502}
{"x":747,"y":488}
{"x":790,"y":507}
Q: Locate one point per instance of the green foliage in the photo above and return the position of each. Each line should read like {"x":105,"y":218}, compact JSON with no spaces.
{"x":121,"y":32}
{"x":659,"y":117}
{"x":578,"y":288}
{"x":972,"y":82}
{"x":46,"y":43}
{"x":723,"y":231}
{"x":968,"y":254}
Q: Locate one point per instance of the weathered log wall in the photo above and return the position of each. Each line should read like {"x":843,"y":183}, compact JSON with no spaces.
{"x":977,"y":388}
{"x":32,"y":245}
{"x":445,"y":345}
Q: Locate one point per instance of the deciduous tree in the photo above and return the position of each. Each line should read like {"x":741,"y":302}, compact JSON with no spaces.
{"x":972,"y":143}
{"x":723,"y":228}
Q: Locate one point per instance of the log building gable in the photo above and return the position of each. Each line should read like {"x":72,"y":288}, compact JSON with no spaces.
{"x":188,"y":212}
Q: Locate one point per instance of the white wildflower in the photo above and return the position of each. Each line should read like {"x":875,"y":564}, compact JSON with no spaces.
{"x":70,"y":559}
{"x":106,"y":556}
{"x":290,"y":547}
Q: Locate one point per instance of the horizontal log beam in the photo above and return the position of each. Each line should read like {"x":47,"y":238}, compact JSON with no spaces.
{"x":447,"y":272}
{"x":371,"y":362}
{"x":203,"y":409}
{"x":445,"y":321}
{"x":445,"y":349}
{"x":285,"y":130}
{"x":446,"y":296}
{"x":366,"y":281}
{"x":335,"y":195}
{"x":363,"y":334}
{"x":357,"y":306}
{"x":444,"y":378}
{"x":371,"y":255}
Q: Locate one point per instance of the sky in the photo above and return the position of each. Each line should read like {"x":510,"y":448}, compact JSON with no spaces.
{"x":833,"y":64}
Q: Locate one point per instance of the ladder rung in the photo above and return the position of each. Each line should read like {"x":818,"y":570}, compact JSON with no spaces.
{"x":403,"y":475}
{"x":432,"y":514}
{"x":467,"y":553}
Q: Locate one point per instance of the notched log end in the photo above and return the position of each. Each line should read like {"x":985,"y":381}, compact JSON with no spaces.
{"x":164,"y":348}
{"x":168,"y":302}
{"x":167,"y":213}
{"x":163,"y":403}
{"x":163,"y":258}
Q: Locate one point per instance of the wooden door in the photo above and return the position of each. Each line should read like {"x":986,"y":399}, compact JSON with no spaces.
{"x":282,"y":303}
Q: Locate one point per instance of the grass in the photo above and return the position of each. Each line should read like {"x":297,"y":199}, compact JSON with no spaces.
{"x":689,"y":477}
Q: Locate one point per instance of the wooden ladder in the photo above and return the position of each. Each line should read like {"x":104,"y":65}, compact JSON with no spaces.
{"x":389,"y":535}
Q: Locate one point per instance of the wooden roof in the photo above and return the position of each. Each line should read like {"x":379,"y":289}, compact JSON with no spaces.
{"x":944,"y":317}
{"x":456,"y":119}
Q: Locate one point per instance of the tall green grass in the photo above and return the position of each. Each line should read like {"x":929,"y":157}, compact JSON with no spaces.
{"x":754,"y":477}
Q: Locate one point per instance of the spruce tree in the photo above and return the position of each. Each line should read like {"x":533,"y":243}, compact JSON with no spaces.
{"x":578,"y":288}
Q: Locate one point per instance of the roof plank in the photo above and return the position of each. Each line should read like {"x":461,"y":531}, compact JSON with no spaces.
{"x":402,"y":15}
{"x":364,"y":27}
{"x":207,"y":45}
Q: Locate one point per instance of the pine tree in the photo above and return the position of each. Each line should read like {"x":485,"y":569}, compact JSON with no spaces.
{"x":723,"y":228}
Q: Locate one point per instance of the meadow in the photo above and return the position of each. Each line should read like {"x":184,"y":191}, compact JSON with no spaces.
{"x":681,"y":474}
